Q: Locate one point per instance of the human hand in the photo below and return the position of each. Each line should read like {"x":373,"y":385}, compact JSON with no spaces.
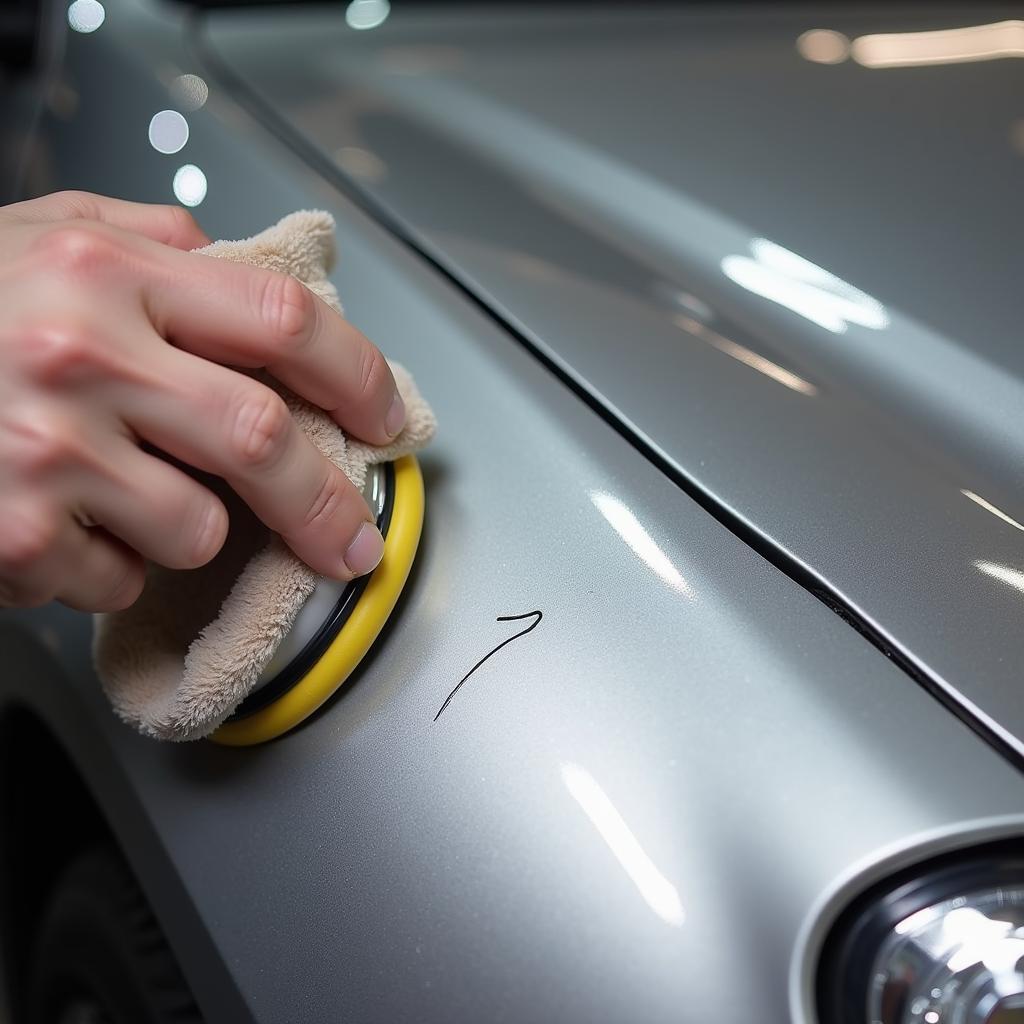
{"x":113,"y":335}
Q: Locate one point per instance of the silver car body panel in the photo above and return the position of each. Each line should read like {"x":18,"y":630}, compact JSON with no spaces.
{"x":643,"y":810}
{"x":794,"y":282}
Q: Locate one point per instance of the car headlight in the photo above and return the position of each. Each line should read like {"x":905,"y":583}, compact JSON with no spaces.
{"x":941,"y":944}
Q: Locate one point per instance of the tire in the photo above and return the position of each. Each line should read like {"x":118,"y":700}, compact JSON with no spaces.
{"x":99,"y":955}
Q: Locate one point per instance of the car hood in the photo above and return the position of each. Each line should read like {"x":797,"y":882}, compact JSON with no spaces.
{"x":793,"y":283}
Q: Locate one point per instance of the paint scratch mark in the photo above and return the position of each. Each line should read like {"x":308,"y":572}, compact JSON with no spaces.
{"x":515,"y":636}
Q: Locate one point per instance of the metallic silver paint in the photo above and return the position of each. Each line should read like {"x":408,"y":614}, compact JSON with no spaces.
{"x":685,"y":720}
{"x":657,"y":201}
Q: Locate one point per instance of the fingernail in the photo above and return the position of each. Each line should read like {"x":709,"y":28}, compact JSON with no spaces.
{"x":395,"y":419}
{"x":366,"y":551}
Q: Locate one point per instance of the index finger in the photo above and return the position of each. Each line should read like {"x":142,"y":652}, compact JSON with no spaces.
{"x":169,"y":225}
{"x":239,"y":315}
{"x":223,"y":422}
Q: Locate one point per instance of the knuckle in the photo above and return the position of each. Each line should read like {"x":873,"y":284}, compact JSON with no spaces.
{"x":260,"y":423}
{"x":123,"y":588}
{"x":27,"y":539}
{"x":205,"y":534}
{"x":54,"y":351}
{"x":78,"y":249}
{"x":41,"y":442}
{"x":288,"y":310}
{"x":180,"y":220}
{"x":74,"y":202}
{"x":374,"y":373}
{"x":328,"y":500}
{"x":71,"y":203}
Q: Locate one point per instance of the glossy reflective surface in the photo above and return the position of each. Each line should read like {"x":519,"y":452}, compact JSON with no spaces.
{"x":326,"y":594}
{"x":629,"y":814}
{"x":794,"y":275}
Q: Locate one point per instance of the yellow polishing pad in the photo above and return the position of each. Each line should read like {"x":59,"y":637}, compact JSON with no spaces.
{"x":360,"y":629}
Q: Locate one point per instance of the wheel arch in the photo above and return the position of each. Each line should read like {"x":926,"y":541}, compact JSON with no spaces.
{"x":47,"y":816}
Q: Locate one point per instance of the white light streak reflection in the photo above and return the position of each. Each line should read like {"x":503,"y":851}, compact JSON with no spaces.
{"x":971,"y":43}
{"x":782,"y":276}
{"x":629,"y":528}
{"x":989,"y":507}
{"x":1004,"y":573}
{"x":945,"y":46}
{"x":658,"y":892}
{"x":745,"y":355}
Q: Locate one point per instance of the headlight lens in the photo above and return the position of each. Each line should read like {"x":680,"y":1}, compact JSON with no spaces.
{"x":941,"y":943}
{"x":955,"y":962}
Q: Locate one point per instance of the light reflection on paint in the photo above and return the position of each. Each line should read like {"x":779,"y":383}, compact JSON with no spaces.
{"x":945,"y":46}
{"x":189,"y":92}
{"x":189,"y":185}
{"x":823,"y":46}
{"x":658,"y":892}
{"x":989,"y":507}
{"x":1016,"y":134}
{"x":420,"y":60}
{"x":1004,"y":573}
{"x":360,"y":163}
{"x":805,"y":288}
{"x":63,"y":100}
{"x":364,"y":14}
{"x":745,"y":355}
{"x":168,"y":131}
{"x":965,"y":45}
{"x":629,"y":528}
{"x":86,"y":15}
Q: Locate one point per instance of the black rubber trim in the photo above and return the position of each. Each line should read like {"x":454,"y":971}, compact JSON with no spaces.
{"x":853,"y":942}
{"x":779,"y":557}
{"x":311,"y":653}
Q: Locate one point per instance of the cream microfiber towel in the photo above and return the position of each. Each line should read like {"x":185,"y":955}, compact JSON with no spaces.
{"x":180,"y":660}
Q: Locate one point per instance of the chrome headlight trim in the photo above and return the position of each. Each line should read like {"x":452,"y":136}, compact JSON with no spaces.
{"x":887,"y":953}
{"x":878,"y":864}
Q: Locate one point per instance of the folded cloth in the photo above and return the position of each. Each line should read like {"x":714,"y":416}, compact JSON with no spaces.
{"x":180,"y":660}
